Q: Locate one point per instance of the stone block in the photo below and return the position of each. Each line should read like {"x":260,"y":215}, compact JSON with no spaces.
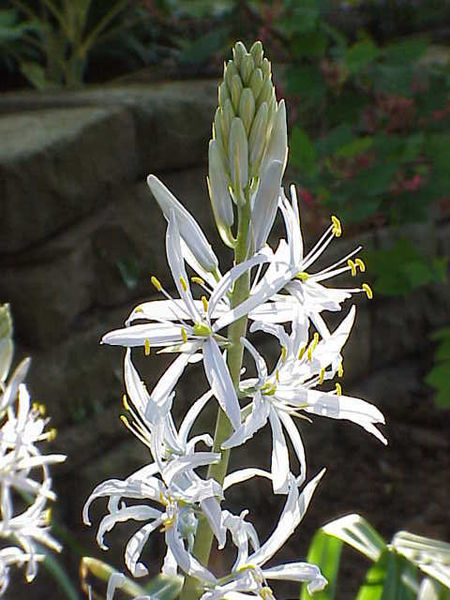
{"x":58,"y":165}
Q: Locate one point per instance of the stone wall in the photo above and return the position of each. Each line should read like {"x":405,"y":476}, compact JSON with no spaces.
{"x":80,"y":237}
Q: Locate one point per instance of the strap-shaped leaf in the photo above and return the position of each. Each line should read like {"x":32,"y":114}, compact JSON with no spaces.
{"x":355,"y":531}
{"x":392,"y":576}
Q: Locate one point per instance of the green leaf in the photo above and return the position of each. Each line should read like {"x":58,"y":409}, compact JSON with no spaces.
{"x":406,"y":51}
{"x":96,"y":573}
{"x":163,"y":587}
{"x":355,"y":147}
{"x":35,"y":74}
{"x":392,"y":576}
{"x":325,"y":552}
{"x":337,"y":138}
{"x":355,"y":531}
{"x":57,"y":571}
{"x":6,"y":343}
{"x":311,"y":43}
{"x":306,"y":82}
{"x":303,"y":19}
{"x":360,"y":55}
{"x":401,"y":268}
{"x":303,"y":154}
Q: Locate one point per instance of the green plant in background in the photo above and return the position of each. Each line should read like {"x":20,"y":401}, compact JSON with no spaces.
{"x":439,"y":376}
{"x":402,"y":268}
{"x":411,"y":567}
{"x":57,"y":37}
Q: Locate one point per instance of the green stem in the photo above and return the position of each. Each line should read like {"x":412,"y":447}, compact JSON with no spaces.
{"x":204,"y":535}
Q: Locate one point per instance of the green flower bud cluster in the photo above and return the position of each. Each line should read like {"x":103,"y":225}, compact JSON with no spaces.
{"x":249,"y":134}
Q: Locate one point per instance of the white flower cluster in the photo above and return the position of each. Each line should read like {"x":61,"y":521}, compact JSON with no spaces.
{"x":278,"y":292}
{"x":25,"y":482}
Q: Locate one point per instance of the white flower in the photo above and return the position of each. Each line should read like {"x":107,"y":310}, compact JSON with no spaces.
{"x":176,"y":513}
{"x":187,"y":325}
{"x":248,"y":577}
{"x":289,"y":271}
{"x":23,"y":472}
{"x":289,"y":389}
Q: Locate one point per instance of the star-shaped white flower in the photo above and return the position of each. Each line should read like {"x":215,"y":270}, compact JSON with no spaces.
{"x":249,"y":576}
{"x":289,"y":389}
{"x":187,"y":325}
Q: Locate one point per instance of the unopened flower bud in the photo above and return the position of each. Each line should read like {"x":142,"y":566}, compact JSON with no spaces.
{"x":239,"y":51}
{"x":219,"y":190}
{"x":247,"y":67}
{"x":257,"y":138}
{"x":247,"y":108}
{"x":256,"y":82}
{"x":257,"y":52}
{"x":236,"y":91}
{"x":238,"y":155}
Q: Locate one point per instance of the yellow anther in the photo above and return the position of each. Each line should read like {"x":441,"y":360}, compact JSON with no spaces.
{"x":168,"y":524}
{"x":205,"y":303}
{"x":184,"y":334}
{"x":315,"y":340}
{"x":360,"y":264}
{"x":183,"y":284}
{"x":277,"y":375}
{"x":337,"y":227}
{"x":352,"y":266}
{"x":283,"y":353}
{"x":303,"y":276}
{"x":47,"y":515}
{"x":301,"y":353}
{"x":147,"y":347}
{"x":338,"y":389}
{"x":198,"y":280}
{"x":138,"y":309}
{"x":39,"y":408}
{"x":266,"y":593}
{"x":124,"y":420}
{"x":366,"y":287}
{"x":52,"y":434}
{"x":156,"y":283}
{"x":322,"y":375}
{"x":340,"y":370}
{"x":125,"y":402}
{"x":309,"y":353}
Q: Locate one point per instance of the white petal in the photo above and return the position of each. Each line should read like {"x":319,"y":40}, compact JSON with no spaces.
{"x":176,"y":264}
{"x":297,"y":443}
{"x":165,"y":385}
{"x":260,"y":363}
{"x":226,"y":282}
{"x":186,"y":561}
{"x":157,"y":334}
{"x":280,"y":456}
{"x":253,"y":423}
{"x":212,"y":511}
{"x":266,"y":203}
{"x":299,"y":571}
{"x":190,"y":231}
{"x":293,"y":512}
{"x":220,"y":381}
{"x":188,"y":461}
{"x":243,"y":475}
{"x":137,"y":513}
{"x":191,"y":416}
{"x":135,"y":545}
{"x":161,"y":310}
{"x":345,"y":407}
